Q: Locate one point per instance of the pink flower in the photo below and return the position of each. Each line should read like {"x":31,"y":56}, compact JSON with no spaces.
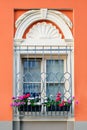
{"x":21,"y":97}
{"x":11,"y":104}
{"x":76,"y":102}
{"x":73,"y":97}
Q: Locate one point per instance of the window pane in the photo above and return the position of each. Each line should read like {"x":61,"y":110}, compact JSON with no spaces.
{"x":53,"y":89}
{"x":32,"y":70}
{"x":55,"y":71}
{"x":33,"y":88}
{"x":32,"y":76}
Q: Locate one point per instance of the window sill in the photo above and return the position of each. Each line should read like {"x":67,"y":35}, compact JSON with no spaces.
{"x":43,"y":119}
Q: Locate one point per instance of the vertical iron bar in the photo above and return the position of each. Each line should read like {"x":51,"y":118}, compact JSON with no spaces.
{"x":35,"y":55}
{"x":43,"y":60}
{"x":27,"y":59}
{"x":66,"y":60}
{"x":43,"y":89}
{"x":59,"y":58}
{"x":27,"y":72}
{"x":19,"y":72}
{"x":51,"y":54}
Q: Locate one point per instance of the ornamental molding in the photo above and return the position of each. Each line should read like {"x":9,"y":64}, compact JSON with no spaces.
{"x":43,"y":13}
{"x":31,"y":16}
{"x":43,"y":31}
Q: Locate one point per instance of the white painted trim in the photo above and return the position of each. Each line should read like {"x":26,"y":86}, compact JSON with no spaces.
{"x":47,"y":42}
{"x":60,"y":19}
{"x":43,"y":30}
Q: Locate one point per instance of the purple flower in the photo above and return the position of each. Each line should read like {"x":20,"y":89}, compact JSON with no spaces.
{"x":22,"y":103}
{"x":15,"y":104}
{"x":18,"y":104}
{"x":69,"y":101}
{"x":21,"y":97}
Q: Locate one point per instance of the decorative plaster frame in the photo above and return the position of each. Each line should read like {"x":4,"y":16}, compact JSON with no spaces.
{"x":60,"y":19}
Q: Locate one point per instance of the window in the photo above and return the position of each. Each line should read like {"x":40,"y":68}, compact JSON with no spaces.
{"x":34,"y":77}
{"x":44,"y":62}
{"x":43,"y":73}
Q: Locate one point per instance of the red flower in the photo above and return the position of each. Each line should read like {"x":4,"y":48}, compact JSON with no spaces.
{"x":59,"y":94}
{"x":28,"y":95}
{"x":63,"y":102}
{"x":58,"y":99}
{"x":61,"y":105}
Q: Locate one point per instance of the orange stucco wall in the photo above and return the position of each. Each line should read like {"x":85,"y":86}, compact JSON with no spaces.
{"x":6,"y":50}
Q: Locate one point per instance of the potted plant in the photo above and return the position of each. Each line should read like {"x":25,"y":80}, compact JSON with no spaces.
{"x":33,"y":105}
{"x":59,"y":104}
{"x":26,"y":103}
{"x":20,"y":101}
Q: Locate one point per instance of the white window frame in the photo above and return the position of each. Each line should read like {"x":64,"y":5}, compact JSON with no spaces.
{"x":19,"y":68}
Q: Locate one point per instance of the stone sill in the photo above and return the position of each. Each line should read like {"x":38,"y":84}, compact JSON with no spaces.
{"x":47,"y":118}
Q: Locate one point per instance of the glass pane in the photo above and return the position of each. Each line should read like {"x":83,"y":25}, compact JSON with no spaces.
{"x":53,"y":89}
{"x":32,"y":70}
{"x":55,"y":70}
{"x":33,"y":88}
{"x":32,"y":76}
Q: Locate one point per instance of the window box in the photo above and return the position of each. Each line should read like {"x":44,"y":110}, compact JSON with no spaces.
{"x":57,"y":108}
{"x":25,"y":108}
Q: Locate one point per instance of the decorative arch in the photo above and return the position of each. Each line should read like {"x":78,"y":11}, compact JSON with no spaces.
{"x":60,"y":19}
{"x":43,"y":30}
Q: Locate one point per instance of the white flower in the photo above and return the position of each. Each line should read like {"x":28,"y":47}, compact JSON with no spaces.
{"x":29,"y":103}
{"x":45,"y":97}
{"x":38,"y":103}
{"x":51,"y":95}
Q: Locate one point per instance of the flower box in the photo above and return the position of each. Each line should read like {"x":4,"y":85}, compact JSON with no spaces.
{"x":57,"y":108}
{"x":30,"y":108}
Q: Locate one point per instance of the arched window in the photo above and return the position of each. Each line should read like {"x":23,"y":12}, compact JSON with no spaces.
{"x":44,"y":62}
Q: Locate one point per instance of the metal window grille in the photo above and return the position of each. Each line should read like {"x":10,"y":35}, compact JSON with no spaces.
{"x":43,"y":72}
